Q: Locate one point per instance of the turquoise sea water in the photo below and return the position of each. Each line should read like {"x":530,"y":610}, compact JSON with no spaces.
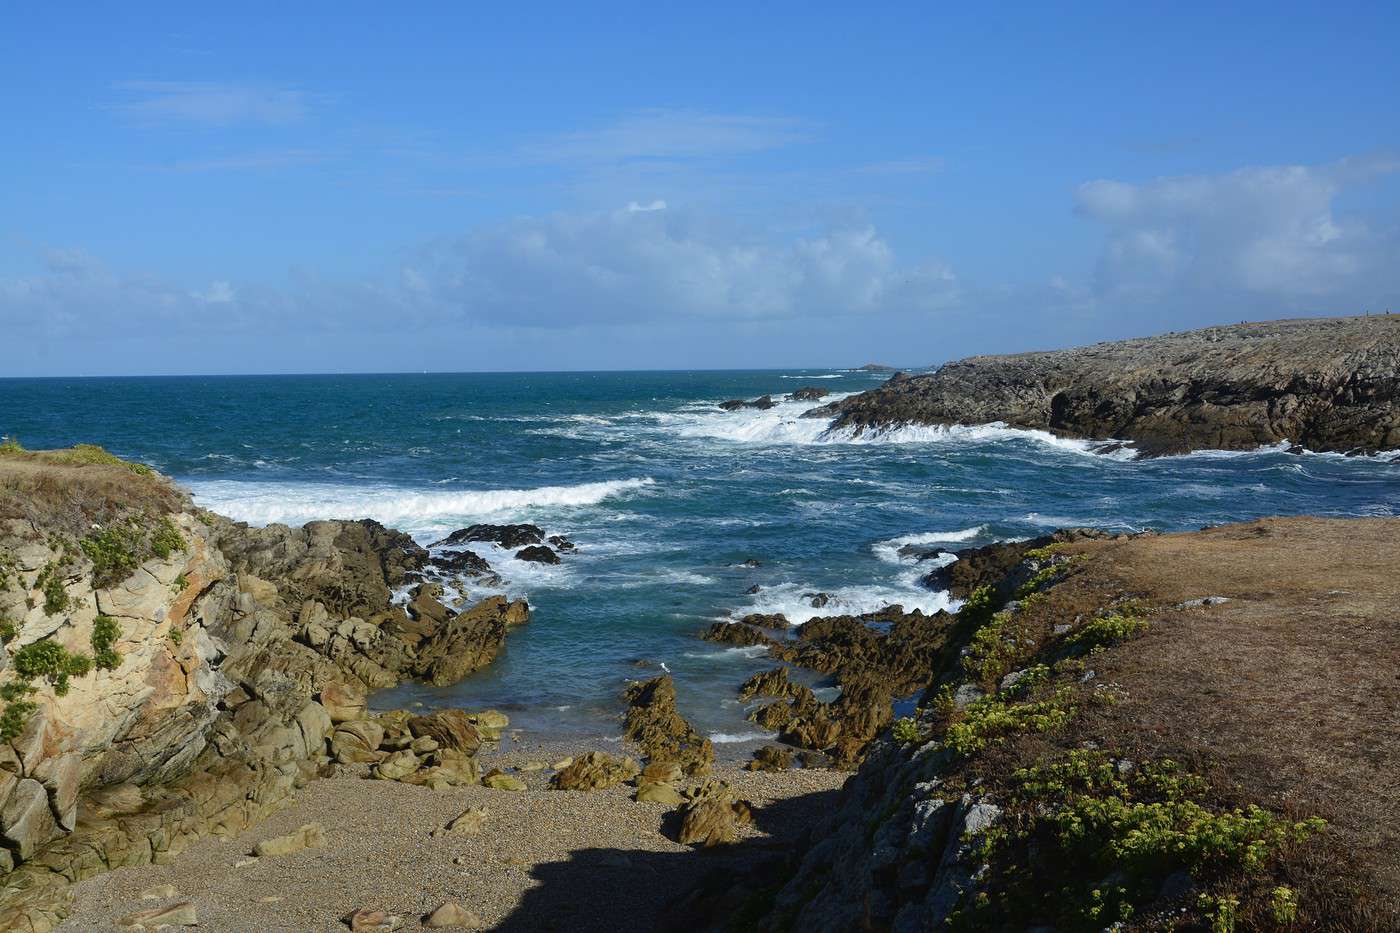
{"x":664,"y":494}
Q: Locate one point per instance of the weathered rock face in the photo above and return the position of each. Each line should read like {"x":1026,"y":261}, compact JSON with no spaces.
{"x":1329,"y":384}
{"x":655,"y":724}
{"x":193,"y":693}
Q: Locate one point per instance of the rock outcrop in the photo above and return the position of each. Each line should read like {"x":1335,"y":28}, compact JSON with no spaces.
{"x":167,"y":673}
{"x":1328,"y":384}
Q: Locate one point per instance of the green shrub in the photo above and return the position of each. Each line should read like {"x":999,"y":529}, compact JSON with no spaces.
{"x":10,"y":446}
{"x":50,"y":583}
{"x":8,"y":629}
{"x":906,"y":731}
{"x":1283,"y":905}
{"x":166,"y":539}
{"x":50,"y":660}
{"x":83,"y":454}
{"x":105,"y":632}
{"x":993,"y":718}
{"x":18,"y":709}
{"x":1106,"y":631}
{"x":115,"y":551}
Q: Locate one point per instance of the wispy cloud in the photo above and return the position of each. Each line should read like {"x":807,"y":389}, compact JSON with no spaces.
{"x":671,"y":134}
{"x":211,"y":104}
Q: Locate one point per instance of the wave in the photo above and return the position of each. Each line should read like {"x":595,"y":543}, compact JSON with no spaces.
{"x":888,"y":551}
{"x":794,"y":600}
{"x":296,"y":503}
{"x":729,"y":738}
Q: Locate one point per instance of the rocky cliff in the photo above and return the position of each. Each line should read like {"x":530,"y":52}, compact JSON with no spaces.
{"x":167,"y":672}
{"x":1157,"y":732}
{"x":1328,"y":384}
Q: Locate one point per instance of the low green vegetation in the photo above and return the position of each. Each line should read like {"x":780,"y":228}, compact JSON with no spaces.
{"x":105,"y":632}
{"x":117,"y":549}
{"x":991,"y":719}
{"x":905,"y":731}
{"x":84,"y":454}
{"x":50,"y":660}
{"x":10,"y":446}
{"x":8,"y":629}
{"x":18,"y":708}
{"x":50,"y":583}
{"x":1106,"y":630}
{"x":1088,"y":840}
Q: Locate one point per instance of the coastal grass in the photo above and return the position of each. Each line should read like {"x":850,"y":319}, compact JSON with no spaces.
{"x":1157,"y":759}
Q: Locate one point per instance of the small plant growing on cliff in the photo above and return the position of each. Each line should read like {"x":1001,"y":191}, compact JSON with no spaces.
{"x":180,"y":584}
{"x":166,"y":539}
{"x":1106,"y":631}
{"x":114,"y":552}
{"x":18,"y":709}
{"x":50,"y":660}
{"x":176,"y":637}
{"x":50,"y":583}
{"x":992,"y":718}
{"x":105,"y":632}
{"x":8,"y":630}
{"x":906,"y":731}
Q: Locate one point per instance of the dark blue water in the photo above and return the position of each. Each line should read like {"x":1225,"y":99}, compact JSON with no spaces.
{"x":663,"y":493}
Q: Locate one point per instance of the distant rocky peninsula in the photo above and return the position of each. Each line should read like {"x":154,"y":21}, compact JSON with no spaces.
{"x":1327,"y":384}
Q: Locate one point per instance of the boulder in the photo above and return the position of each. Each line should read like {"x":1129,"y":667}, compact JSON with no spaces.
{"x":450,"y":728}
{"x":367,"y":920}
{"x":499,"y":780}
{"x":343,"y":702}
{"x":469,"y":822}
{"x":537,"y":554}
{"x":507,"y":536}
{"x":397,"y":766}
{"x":595,"y":771}
{"x":26,"y":822}
{"x":183,"y":914}
{"x":306,"y":836}
{"x":653,"y":792}
{"x":808,"y":394}
{"x":452,"y":915}
{"x":655,"y":724}
{"x":770,"y":758}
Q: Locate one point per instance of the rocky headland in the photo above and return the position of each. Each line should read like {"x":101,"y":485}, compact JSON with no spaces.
{"x":1136,"y":732}
{"x":1327,"y":384}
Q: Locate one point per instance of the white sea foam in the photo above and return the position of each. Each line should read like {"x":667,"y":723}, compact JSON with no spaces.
{"x":888,"y":551}
{"x":413,"y":510}
{"x":793,"y":600}
{"x":730,"y":738}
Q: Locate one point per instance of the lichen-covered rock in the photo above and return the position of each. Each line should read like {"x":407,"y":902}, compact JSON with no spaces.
{"x":655,"y":724}
{"x":595,"y":771}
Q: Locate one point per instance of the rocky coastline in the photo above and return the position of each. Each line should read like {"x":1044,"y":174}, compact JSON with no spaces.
{"x":1326,"y":384}
{"x":174,"y":682}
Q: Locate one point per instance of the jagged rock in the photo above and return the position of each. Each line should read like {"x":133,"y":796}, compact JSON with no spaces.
{"x":306,"y":836}
{"x":28,"y":823}
{"x":737,"y":634}
{"x":499,"y":780}
{"x":357,"y":742}
{"x":817,"y":600}
{"x":595,"y":771}
{"x":469,"y":822}
{"x":655,"y":724}
{"x":452,"y":915}
{"x":774,"y":620}
{"x":343,"y":702}
{"x":1325,"y":383}
{"x":808,"y":394}
{"x":176,"y":915}
{"x":397,"y":766}
{"x":469,"y":640}
{"x":761,"y":403}
{"x":507,"y":536}
{"x":654,"y":792}
{"x":537,"y":554}
{"x":450,"y":728}
{"x":712,"y":816}
{"x":489,"y":723}
{"x":770,"y":758}
{"x":562,"y":543}
{"x":662,"y":772}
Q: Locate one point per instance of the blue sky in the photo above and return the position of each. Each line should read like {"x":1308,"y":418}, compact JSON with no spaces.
{"x":346,"y":187}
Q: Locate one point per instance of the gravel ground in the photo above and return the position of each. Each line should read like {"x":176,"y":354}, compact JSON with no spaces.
{"x":546,"y":860}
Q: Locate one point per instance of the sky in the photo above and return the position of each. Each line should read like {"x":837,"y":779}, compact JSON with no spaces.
{"x":358,"y":187}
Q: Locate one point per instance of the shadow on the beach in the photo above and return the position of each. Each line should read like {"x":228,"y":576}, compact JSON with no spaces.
{"x":627,"y":889}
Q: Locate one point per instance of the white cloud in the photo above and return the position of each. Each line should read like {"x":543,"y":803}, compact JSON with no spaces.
{"x":559,"y":271}
{"x":209,"y":103}
{"x":657,"y":205}
{"x":1271,"y":235}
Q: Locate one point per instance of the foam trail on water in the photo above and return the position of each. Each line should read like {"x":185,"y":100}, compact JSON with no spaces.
{"x":296,"y":503}
{"x":888,"y":551}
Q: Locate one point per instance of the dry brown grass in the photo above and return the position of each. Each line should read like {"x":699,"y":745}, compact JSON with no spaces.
{"x":1288,"y":695}
{"x":65,"y":492}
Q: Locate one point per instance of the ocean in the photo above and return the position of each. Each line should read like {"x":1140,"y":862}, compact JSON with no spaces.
{"x":666,"y":497}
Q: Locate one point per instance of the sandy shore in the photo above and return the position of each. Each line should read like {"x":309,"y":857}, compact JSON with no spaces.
{"x":546,"y":859}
